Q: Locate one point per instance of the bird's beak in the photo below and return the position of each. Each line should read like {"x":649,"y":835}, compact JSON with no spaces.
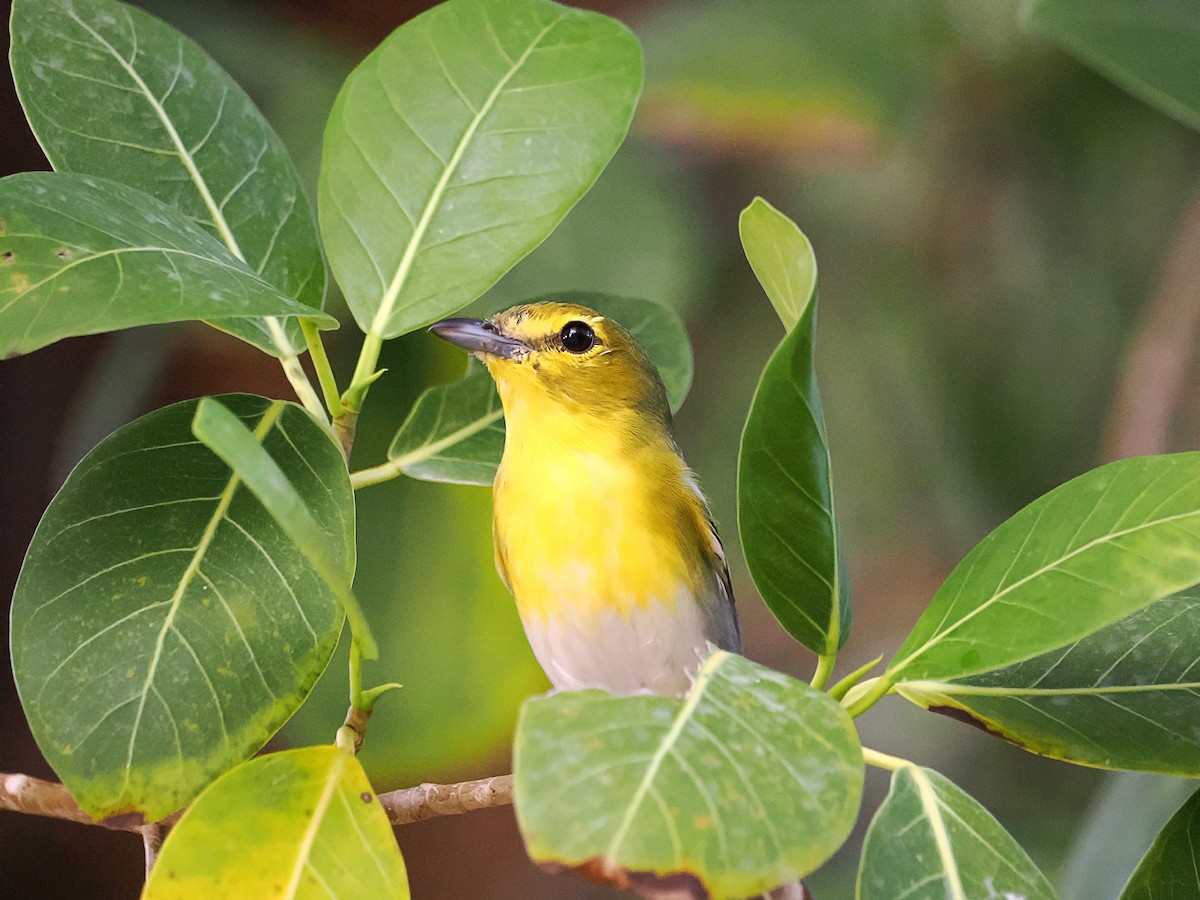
{"x":478,"y":336}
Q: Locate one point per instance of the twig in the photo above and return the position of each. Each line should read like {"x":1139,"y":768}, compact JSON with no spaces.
{"x":427,"y":801}
{"x":152,"y":838}
{"x":33,"y":796}
{"x":1154,"y":375}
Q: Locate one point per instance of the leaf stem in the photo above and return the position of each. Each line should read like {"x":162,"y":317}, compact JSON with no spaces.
{"x":884,"y":760}
{"x":825,"y":663}
{"x":842,"y":688}
{"x":316,"y":349}
{"x":858,"y":702}
{"x":374,"y":475}
{"x":365,"y":372}
{"x":295,"y":373}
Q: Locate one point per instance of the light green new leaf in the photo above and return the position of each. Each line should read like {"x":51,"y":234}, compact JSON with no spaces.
{"x":164,"y":625}
{"x":930,"y":841}
{"x":785,"y":497}
{"x":782,"y":259}
{"x":1090,"y":552}
{"x":455,"y":432}
{"x":1124,"y":697}
{"x":750,"y":781}
{"x":1149,"y":47}
{"x":110,"y":90}
{"x":223,"y":433}
{"x":81,"y":255}
{"x":298,"y":824}
{"x":1170,"y":870}
{"x":459,"y":143}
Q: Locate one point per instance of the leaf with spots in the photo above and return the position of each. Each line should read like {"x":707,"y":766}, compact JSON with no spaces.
{"x":1085,"y":555}
{"x":164,"y":625}
{"x":1124,"y":697}
{"x":931,"y":841}
{"x":750,"y":781}
{"x":302,"y":823}
{"x":785,"y":491}
{"x":459,"y":144}
{"x":82,"y":255}
{"x":112,"y":91}
{"x":455,"y":431}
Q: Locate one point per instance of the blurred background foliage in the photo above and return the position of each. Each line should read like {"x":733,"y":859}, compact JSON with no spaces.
{"x":994,"y":224}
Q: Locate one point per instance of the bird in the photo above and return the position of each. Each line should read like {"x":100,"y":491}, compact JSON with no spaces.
{"x":600,"y":530}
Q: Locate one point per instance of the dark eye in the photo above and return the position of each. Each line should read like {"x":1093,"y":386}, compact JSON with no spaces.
{"x":577,"y":337}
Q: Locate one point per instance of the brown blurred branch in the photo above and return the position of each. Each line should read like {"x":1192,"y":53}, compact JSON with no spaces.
{"x":1154,"y":375}
{"x":33,"y":796}
{"x":427,"y":801}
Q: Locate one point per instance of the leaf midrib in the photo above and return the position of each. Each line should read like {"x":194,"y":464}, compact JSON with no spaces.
{"x":664,"y":748}
{"x":387,"y":304}
{"x":939,"y":636}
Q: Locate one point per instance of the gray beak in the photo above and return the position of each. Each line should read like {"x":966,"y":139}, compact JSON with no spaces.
{"x":478,"y":336}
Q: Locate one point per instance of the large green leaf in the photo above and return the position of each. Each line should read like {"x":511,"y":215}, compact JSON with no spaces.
{"x":1124,"y":697}
{"x":164,"y":625}
{"x":1087,"y":554}
{"x":110,"y":90}
{"x":785,"y":499}
{"x":225,"y":434}
{"x":459,"y":143}
{"x":1170,"y":870}
{"x":1149,"y":47}
{"x":750,"y":781}
{"x":455,"y":432}
{"x":930,"y":841}
{"x":303,"y":823}
{"x":80,"y":255}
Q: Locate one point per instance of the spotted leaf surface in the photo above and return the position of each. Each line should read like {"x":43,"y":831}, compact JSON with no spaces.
{"x":164,"y":625}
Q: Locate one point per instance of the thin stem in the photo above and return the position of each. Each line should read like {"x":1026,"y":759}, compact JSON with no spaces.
{"x":356,"y":692}
{"x":873,"y":691}
{"x":295,"y":373}
{"x":884,"y":760}
{"x":152,"y":838}
{"x":842,"y":688}
{"x":316,"y":349}
{"x":825,"y":663}
{"x":374,"y":475}
{"x":365,"y":372}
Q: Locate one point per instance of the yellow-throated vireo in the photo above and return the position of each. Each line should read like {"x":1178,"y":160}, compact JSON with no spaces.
{"x":600,"y":530}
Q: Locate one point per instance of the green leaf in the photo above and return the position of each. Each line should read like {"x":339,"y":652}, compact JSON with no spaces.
{"x":81,"y":255}
{"x":1170,"y":870}
{"x":1118,"y":826}
{"x":785,"y":498}
{"x":110,"y":90}
{"x":750,"y":781}
{"x":1149,"y":47}
{"x":459,"y":143}
{"x":223,"y":433}
{"x":1124,"y":697}
{"x":302,"y":823}
{"x":1085,"y":555}
{"x":164,"y":625}
{"x":782,"y":259}
{"x":455,"y":432}
{"x":930,"y":841}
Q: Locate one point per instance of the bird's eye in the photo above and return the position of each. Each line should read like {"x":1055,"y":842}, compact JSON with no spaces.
{"x":577,"y":337}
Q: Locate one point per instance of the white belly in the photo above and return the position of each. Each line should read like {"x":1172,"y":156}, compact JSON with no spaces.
{"x":651,"y":649}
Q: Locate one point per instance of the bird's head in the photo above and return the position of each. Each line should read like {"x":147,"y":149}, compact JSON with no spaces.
{"x":564,"y":352}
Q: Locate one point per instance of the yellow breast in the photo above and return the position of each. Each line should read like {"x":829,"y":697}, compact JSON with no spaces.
{"x":586,"y":518}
